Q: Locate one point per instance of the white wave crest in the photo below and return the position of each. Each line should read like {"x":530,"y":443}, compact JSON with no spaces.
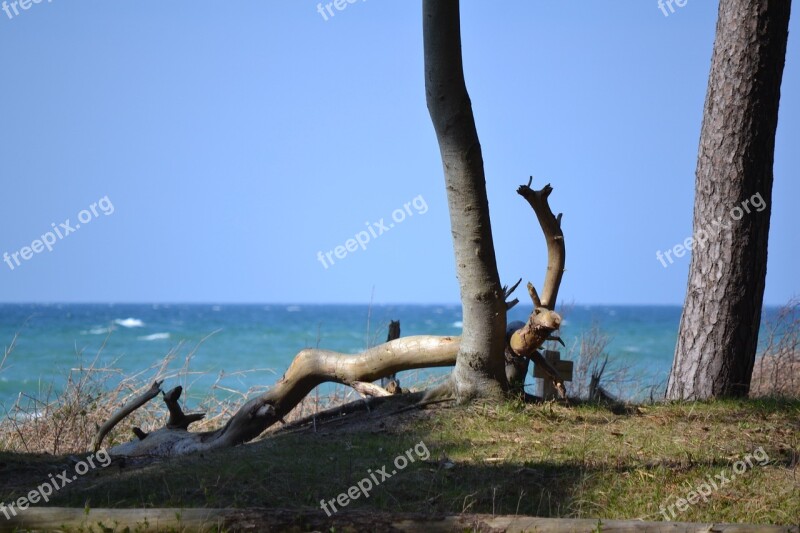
{"x":129,"y":322}
{"x":97,"y":331}
{"x":155,"y":337}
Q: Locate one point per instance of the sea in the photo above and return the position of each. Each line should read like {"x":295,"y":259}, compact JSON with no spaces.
{"x":242,"y":347}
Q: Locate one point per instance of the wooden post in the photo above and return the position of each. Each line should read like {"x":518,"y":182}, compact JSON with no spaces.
{"x":564,"y":368}
{"x":394,"y":334}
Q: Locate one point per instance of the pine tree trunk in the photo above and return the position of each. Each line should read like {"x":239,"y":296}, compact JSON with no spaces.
{"x":718,"y":334}
{"x":480,"y":364}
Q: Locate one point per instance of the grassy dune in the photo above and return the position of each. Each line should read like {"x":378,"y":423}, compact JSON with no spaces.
{"x":546,"y":460}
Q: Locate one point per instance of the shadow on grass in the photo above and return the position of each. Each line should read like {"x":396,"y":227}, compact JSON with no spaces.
{"x":533,"y":460}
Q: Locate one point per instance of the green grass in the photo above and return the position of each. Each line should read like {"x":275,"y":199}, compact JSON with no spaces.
{"x":545,"y":460}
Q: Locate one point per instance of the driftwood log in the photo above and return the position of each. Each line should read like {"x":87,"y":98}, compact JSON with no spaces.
{"x":152,"y":520}
{"x":310,"y":368}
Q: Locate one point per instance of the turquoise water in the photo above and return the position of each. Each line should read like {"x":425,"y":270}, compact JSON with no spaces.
{"x":52,"y":339}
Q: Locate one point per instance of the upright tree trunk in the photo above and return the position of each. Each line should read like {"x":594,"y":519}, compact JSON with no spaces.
{"x":480,"y":364}
{"x":716,"y":345}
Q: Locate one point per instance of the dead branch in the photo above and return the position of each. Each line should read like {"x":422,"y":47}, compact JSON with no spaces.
{"x":394,"y":333}
{"x":544,"y":320}
{"x":556,"y":251}
{"x":369,"y":389}
{"x":127,"y":409}
{"x":177,"y":418}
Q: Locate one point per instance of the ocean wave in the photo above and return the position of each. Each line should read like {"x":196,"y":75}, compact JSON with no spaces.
{"x":155,"y":337}
{"x":293,"y":308}
{"x":97,"y":331}
{"x":129,"y":322}
{"x":458,"y":324}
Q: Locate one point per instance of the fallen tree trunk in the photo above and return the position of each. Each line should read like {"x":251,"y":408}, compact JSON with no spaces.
{"x":311,"y":367}
{"x":147,"y":520}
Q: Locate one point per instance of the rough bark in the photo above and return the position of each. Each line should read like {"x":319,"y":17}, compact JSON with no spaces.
{"x":719,"y":327}
{"x":480,"y":365}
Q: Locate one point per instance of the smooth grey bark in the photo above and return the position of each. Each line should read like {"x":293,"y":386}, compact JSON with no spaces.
{"x":717,"y":340}
{"x":309,"y":368}
{"x":480,"y":364}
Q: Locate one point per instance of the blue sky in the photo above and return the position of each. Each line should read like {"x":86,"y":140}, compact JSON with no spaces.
{"x":236,"y":140}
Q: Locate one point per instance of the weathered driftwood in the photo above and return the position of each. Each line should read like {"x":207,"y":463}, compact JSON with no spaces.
{"x":544,"y":320}
{"x":177,"y":418}
{"x":369,"y":389}
{"x":310,"y":368}
{"x":127,"y":409}
{"x":516,"y":367}
{"x":152,"y":520}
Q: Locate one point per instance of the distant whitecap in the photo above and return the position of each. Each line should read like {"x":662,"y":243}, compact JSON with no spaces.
{"x":155,"y":337}
{"x":129,"y":322}
{"x":216,"y":308}
{"x":293,"y":308}
{"x":97,"y":331}
{"x":458,"y":324}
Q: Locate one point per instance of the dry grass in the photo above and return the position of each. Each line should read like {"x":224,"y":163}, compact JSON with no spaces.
{"x":590,"y":355}
{"x":777,"y":370}
{"x":64,"y":420}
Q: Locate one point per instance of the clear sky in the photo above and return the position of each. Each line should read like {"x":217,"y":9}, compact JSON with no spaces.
{"x":236,"y":140}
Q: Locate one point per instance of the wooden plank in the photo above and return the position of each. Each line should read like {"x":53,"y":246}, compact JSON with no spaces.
{"x":147,"y":520}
